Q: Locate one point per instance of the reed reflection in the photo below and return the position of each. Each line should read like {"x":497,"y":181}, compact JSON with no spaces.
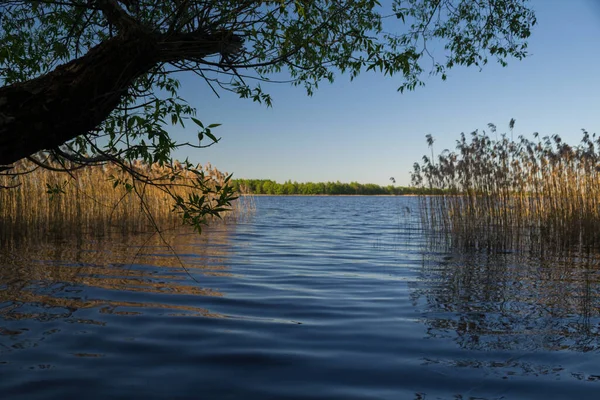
{"x":524,"y":298}
{"x":53,"y":279}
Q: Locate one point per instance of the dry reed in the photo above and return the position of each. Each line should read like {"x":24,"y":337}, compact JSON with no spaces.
{"x":515,"y":191}
{"x":99,"y":199}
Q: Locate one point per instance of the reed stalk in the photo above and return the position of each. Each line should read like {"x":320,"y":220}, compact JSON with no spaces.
{"x":523,"y":188}
{"x":100,"y":199}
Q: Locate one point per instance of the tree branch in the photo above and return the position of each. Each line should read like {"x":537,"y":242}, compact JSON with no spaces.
{"x":116,"y":15}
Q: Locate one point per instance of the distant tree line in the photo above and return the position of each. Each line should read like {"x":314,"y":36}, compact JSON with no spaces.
{"x":267,"y":186}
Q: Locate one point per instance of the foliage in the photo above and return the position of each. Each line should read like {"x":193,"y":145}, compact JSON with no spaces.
{"x":267,"y":186}
{"x":542,"y":187}
{"x":236,"y":46}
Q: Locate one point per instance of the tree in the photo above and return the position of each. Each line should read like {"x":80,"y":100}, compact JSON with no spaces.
{"x":91,"y":81}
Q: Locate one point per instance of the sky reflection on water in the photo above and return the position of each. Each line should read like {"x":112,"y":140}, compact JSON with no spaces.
{"x":321,"y":297}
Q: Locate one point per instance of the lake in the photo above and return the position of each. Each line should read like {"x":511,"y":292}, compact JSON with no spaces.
{"x":309,"y":298}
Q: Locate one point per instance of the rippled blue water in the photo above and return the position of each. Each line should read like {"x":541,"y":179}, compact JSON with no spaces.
{"x":311,"y":298}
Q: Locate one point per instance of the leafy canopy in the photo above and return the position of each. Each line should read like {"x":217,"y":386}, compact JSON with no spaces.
{"x":239,"y":45}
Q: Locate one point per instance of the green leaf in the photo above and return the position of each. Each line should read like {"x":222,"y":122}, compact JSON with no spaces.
{"x":211,"y":136}
{"x":197,"y":122}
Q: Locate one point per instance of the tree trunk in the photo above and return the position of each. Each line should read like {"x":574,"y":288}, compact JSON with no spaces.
{"x":71,"y":100}
{"x":77,"y":97}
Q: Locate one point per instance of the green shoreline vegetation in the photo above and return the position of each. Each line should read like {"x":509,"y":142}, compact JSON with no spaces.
{"x":270,"y":187}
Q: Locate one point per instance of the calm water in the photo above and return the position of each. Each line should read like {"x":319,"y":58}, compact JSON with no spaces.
{"x":312,"y":298}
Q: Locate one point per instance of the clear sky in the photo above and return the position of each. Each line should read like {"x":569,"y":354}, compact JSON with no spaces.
{"x":366,"y":131}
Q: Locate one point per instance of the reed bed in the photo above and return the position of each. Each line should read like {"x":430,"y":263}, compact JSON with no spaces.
{"x":514,"y":191}
{"x":100,"y":199}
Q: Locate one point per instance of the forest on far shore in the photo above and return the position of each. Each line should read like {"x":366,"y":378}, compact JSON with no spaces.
{"x":267,"y":186}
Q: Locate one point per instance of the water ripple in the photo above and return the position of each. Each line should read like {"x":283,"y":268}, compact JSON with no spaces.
{"x":313,"y":298}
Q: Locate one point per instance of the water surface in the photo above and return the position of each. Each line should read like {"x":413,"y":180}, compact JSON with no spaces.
{"x":311,"y":298}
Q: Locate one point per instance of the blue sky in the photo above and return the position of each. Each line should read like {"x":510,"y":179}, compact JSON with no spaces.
{"x":366,"y":131}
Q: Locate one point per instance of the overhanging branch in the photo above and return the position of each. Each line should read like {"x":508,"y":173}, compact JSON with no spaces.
{"x":77,"y":97}
{"x":115,"y":15}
